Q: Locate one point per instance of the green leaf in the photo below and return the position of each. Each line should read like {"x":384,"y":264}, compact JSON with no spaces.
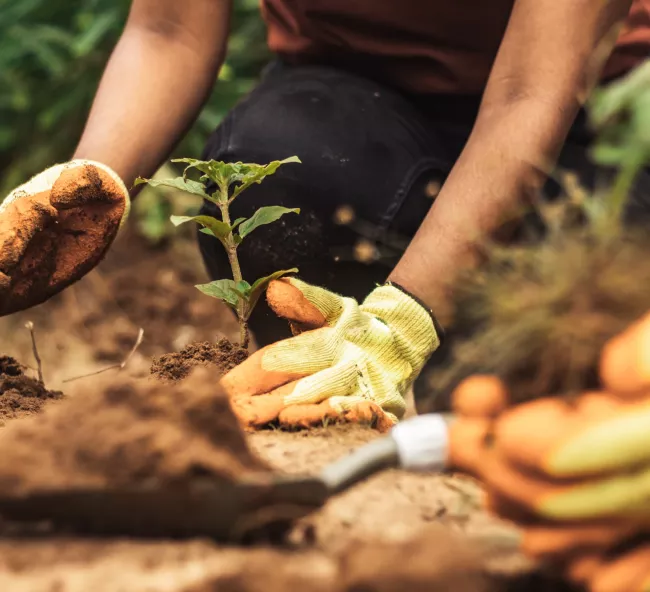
{"x":216,"y":227}
{"x":607,"y":154}
{"x":258,"y":287}
{"x":243,"y":288}
{"x":224,"y":174}
{"x":214,"y":170}
{"x":248,"y":174}
{"x":264,"y":215}
{"x":237,"y":223}
{"x":222,"y":290}
{"x":187,"y":185}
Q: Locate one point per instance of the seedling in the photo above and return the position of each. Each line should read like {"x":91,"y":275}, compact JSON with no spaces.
{"x":231,"y":179}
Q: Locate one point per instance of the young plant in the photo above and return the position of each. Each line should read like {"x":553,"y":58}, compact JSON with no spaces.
{"x":231,"y":179}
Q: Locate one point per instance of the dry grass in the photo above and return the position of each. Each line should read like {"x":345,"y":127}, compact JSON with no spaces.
{"x":537,"y":314}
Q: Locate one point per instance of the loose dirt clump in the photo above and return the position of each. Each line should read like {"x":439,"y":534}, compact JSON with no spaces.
{"x":127,"y":432}
{"x":436,"y":559}
{"x":21,"y":395}
{"x":223,"y":355}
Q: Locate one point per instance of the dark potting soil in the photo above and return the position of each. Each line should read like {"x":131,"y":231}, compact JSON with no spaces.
{"x":127,"y":431}
{"x":222,"y":356}
{"x":20,"y":395}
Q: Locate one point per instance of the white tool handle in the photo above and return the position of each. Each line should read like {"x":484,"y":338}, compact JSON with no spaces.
{"x":422,"y":442}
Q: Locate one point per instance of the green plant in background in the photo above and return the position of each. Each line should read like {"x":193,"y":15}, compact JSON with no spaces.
{"x":620,"y":113}
{"x":52,"y":55}
{"x":230,"y":179}
{"x":538,"y":313}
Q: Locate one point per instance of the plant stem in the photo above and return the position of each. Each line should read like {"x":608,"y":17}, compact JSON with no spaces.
{"x":30,"y":326}
{"x":623,"y":185}
{"x":621,"y":190}
{"x":231,"y":250}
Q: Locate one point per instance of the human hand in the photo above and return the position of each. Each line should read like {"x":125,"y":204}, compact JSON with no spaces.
{"x":55,"y":228}
{"x":346,"y":361}
{"x":573,"y":473}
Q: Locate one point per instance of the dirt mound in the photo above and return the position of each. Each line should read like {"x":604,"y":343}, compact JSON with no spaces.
{"x":272,"y":570}
{"x":124,"y":432}
{"x":436,"y":559}
{"x":222,"y":355}
{"x":20,"y":395}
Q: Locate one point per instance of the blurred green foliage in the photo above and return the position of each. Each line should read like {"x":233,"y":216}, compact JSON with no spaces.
{"x":52,"y":54}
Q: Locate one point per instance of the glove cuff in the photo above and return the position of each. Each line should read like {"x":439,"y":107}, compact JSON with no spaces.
{"x":411,"y":324}
{"x":436,"y":325}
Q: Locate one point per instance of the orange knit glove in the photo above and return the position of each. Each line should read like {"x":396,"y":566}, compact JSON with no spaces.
{"x":55,"y":228}
{"x":624,"y":571}
{"x":573,"y":474}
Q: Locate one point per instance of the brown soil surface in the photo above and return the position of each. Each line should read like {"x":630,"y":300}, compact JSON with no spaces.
{"x":395,"y":531}
{"x":20,"y":394}
{"x":95,"y":322}
{"x":127,"y":431}
{"x":223,"y":356}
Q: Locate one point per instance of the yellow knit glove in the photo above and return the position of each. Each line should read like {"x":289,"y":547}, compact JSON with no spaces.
{"x":346,"y":361}
{"x":55,"y":228}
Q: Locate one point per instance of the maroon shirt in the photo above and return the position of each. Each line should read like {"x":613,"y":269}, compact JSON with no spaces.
{"x":419,"y":46}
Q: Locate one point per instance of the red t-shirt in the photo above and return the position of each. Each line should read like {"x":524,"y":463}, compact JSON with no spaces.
{"x":419,"y":46}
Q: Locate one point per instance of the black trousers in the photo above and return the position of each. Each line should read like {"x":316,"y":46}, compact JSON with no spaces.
{"x":369,"y":153}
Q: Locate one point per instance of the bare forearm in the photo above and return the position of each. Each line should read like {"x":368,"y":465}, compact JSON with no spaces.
{"x":541,"y":75}
{"x":491,"y":181}
{"x":151,"y":92}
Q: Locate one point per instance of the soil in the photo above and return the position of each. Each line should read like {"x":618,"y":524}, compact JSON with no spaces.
{"x":127,"y":431}
{"x":223,"y":355}
{"x":394,"y":531}
{"x":20,"y":394}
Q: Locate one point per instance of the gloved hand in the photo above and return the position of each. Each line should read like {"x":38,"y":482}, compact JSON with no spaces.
{"x":346,"y":361}
{"x":55,"y":228}
{"x":573,"y":474}
{"x":625,"y":571}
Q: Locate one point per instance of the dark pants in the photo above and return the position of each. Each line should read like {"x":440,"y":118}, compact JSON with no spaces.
{"x":363,"y":146}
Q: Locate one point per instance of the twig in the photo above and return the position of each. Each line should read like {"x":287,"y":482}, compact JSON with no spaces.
{"x":30,"y":326}
{"x":119,"y":366}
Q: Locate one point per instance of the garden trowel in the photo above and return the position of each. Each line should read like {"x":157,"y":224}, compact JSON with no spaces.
{"x":230,"y":510}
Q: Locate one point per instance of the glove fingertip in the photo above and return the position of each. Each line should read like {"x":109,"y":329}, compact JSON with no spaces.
{"x":625,"y":361}
{"x":480,"y":396}
{"x":288,"y":302}
{"x":80,"y":185}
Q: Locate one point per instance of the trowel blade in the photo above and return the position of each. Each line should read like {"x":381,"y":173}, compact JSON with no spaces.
{"x":225,"y":511}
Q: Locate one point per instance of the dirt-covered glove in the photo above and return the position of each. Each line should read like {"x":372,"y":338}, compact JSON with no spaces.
{"x":627,"y":570}
{"x":574,"y":474}
{"x":55,"y":228}
{"x":346,"y":361}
